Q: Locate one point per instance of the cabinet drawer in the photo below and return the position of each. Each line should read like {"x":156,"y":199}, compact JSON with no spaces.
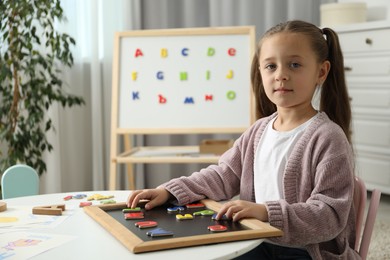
{"x":374,"y":170}
{"x":375,"y":66}
{"x":371,"y":98}
{"x":370,"y":132}
{"x":365,"y":41}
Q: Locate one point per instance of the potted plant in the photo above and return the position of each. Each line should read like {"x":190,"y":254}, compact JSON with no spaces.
{"x":33,"y":55}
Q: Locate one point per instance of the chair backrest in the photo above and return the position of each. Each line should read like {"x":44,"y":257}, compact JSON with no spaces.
{"x":360,"y":198}
{"x":19,"y":180}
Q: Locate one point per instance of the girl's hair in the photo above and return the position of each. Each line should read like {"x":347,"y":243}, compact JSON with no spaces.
{"x":334,"y":94}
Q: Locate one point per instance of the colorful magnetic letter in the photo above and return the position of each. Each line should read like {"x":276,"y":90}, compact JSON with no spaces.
{"x":135,"y":95}
{"x":175,"y":209}
{"x":135,"y":215}
{"x":184,"y":52}
{"x":184,"y":217}
{"x":107,"y":201}
{"x":229,"y":75}
{"x":224,"y":217}
{"x":146,"y":224}
{"x":208,"y":97}
{"x":232,"y":52}
{"x":134,"y":75}
{"x":68,"y":197}
{"x":210,"y":52}
{"x":160,"y":75}
{"x":183,"y":75}
{"x":195,"y":205}
{"x":189,"y":100}
{"x":85,"y":203}
{"x":138,"y":52}
{"x":164,"y":52}
{"x":207,"y":74}
{"x":231,"y":95}
{"x":217,"y":228}
{"x":162,"y":99}
{"x":206,"y":212}
{"x":79,"y":196}
{"x":136,"y":209}
{"x":159,"y":232}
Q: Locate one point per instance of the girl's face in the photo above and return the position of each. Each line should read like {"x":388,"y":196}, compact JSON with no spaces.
{"x":289,"y":70}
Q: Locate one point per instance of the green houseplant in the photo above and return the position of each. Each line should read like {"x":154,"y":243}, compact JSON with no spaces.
{"x":33,"y":55}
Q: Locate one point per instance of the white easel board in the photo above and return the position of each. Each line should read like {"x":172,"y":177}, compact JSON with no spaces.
{"x":183,"y":81}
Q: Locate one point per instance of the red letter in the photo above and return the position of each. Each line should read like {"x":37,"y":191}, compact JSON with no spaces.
{"x":138,"y":52}
{"x":232,"y":52}
{"x":161,"y":99}
{"x":208,"y":97}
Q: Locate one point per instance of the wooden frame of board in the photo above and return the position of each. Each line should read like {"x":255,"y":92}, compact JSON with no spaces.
{"x":256,"y":229}
{"x":129,"y":155}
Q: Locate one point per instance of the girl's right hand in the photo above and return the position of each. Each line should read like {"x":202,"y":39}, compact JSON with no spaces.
{"x":156,"y":197}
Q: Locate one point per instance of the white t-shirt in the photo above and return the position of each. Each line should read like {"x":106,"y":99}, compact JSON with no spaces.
{"x":271,"y":156}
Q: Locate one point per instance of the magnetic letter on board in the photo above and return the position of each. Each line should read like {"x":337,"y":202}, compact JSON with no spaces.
{"x":160,"y":75}
{"x":134,"y":75}
{"x":189,"y":100}
{"x":231,"y":95}
{"x":208,"y":97}
{"x":232,"y":52}
{"x":229,"y":75}
{"x":210,"y":52}
{"x":184,"y":51}
{"x":164,"y":52}
{"x":207,"y":74}
{"x":162,"y":99}
{"x":135,"y":95}
{"x":183,"y":75}
{"x":138,"y":52}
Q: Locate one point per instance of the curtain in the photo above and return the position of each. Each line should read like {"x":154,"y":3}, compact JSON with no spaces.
{"x":81,"y":157}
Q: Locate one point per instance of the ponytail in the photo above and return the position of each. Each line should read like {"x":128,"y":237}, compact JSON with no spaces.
{"x":335,"y":101}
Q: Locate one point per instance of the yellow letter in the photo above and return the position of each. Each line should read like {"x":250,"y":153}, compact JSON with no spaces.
{"x":230,"y":74}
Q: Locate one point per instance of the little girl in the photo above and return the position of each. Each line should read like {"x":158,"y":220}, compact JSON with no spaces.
{"x":294,"y":166}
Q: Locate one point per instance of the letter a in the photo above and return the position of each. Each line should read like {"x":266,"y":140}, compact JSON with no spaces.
{"x":138,"y":52}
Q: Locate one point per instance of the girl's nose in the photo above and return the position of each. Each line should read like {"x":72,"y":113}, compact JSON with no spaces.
{"x":282,"y":75}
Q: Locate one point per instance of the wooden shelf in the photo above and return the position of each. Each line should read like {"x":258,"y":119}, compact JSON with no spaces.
{"x":166,"y":154}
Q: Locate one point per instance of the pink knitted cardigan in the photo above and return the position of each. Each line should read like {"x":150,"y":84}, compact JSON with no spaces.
{"x":317,"y":210}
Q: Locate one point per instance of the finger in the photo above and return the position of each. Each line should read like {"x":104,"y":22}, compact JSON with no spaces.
{"x":145,"y":194}
{"x":222,"y":211}
{"x":231,"y":211}
{"x":131,"y":198}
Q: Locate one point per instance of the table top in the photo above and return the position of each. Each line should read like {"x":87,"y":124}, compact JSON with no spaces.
{"x":93,"y":242}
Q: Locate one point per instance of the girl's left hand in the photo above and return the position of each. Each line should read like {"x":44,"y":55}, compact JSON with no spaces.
{"x":238,"y":209}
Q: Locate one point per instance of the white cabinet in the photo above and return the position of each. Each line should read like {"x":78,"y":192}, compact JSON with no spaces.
{"x":366,"y":52}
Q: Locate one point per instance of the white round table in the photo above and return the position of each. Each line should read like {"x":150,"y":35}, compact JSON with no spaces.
{"x":94,"y":242}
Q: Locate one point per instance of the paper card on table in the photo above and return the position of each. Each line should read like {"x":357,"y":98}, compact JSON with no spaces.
{"x":21,"y":219}
{"x":24,"y":245}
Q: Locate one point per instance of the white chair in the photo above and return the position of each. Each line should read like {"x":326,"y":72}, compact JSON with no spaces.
{"x":19,"y":180}
{"x":360,"y":199}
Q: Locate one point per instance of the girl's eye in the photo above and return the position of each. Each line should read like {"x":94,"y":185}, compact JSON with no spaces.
{"x":270,"y":66}
{"x":295,"y":65}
